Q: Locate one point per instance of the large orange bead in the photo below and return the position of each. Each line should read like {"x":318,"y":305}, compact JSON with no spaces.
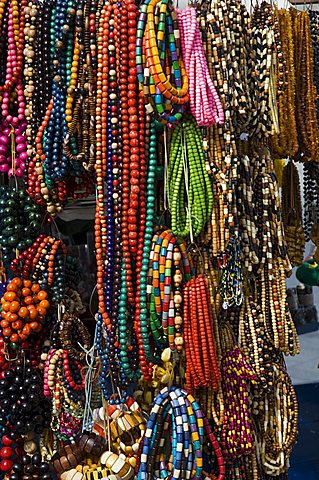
{"x":10,"y":296}
{"x":14,"y":338}
{"x":12,"y":287}
{"x":26,"y":330}
{"x":28,"y":300}
{"x":23,"y":312}
{"x":33,"y":313}
{"x":7,"y":332}
{"x":13,"y":317}
{"x":45,"y":304}
{"x":17,"y":281}
{"x":42,"y":295}
{"x":35,"y":326}
{"x":6,"y":306}
{"x":14,"y":306}
{"x":26,"y":292}
{"x":17,"y":325}
{"x":36,"y":288}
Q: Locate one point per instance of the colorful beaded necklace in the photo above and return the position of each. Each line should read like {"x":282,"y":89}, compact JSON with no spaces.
{"x":159,"y":66}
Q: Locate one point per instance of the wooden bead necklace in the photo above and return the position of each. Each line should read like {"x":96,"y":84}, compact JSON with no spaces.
{"x":267,"y":53}
{"x":292,"y":214}
{"x":226,"y":45}
{"x":79,"y":143}
{"x":237,"y":429}
{"x":285,"y":143}
{"x":44,"y":261}
{"x":24,"y":307}
{"x":314,"y":25}
{"x":279,"y":416}
{"x":311,"y":196}
{"x":66,"y":392}
{"x":254,"y":343}
{"x":71,"y":328}
{"x":271,"y":287}
{"x":231,"y":283}
{"x":246,"y":213}
{"x":305,"y":89}
{"x":30,"y":31}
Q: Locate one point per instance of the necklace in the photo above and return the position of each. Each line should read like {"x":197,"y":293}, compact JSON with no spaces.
{"x":201,"y":364}
{"x":163,"y":96}
{"x":121,"y":176}
{"x":180,"y":409}
{"x":305,"y":89}
{"x":279,"y":413}
{"x":205,"y":105}
{"x":188,"y":182}
{"x":285,"y":143}
{"x":292,"y":214}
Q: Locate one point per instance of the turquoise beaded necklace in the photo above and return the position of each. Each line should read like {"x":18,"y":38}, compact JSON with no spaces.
{"x":141,"y":324}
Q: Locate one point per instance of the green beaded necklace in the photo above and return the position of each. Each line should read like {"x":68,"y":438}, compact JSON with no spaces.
{"x":189,"y":188}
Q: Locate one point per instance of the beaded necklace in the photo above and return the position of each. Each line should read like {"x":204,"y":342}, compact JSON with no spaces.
{"x":201,"y":364}
{"x":305,"y":89}
{"x":160,"y":69}
{"x":314,"y":27}
{"x":279,"y":419}
{"x":13,"y":143}
{"x":226,"y":45}
{"x":254,"y":343}
{"x":44,"y":261}
{"x":292,"y":214}
{"x":31,"y":20}
{"x":285,"y":143}
{"x":79,"y":143}
{"x":311,"y":196}
{"x":180,"y":409}
{"x":20,"y":220}
{"x":120,"y":161}
{"x":266,"y":53}
{"x":231,"y":283}
{"x":47,"y":172}
{"x":140,"y":323}
{"x":42,"y":72}
{"x":205,"y":105}
{"x":169,"y":268}
{"x":190,"y":193}
{"x":237,"y":430}
{"x":67,"y":410}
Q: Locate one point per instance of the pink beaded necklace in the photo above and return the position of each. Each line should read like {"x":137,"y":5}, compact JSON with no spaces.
{"x":13,"y":142}
{"x":205,"y":104}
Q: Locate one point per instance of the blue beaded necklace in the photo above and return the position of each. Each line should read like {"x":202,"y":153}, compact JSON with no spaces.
{"x":176,"y":407}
